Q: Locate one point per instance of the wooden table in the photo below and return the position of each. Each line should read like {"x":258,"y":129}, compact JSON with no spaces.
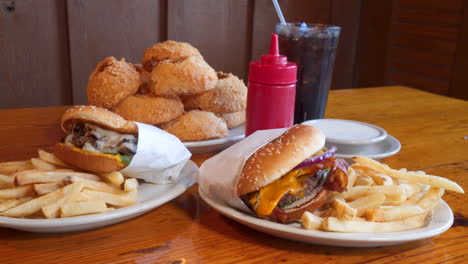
{"x":433,"y":131}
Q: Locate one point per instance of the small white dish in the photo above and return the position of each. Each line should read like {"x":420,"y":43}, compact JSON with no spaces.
{"x":349,"y":132}
{"x":441,"y":221}
{"x":150,"y":196}
{"x":235,"y":135}
{"x":355,"y":138}
{"x":383,"y":149}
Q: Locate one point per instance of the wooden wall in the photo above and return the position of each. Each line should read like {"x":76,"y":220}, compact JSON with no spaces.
{"x":48,"y":48}
{"x":417,"y":43}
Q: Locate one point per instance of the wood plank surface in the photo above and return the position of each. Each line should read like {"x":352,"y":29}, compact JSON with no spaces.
{"x":119,"y":28}
{"x":431,"y":128}
{"x":219,"y":29}
{"x":34,"y":67}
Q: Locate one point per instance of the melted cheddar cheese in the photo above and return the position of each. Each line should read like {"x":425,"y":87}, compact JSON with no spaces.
{"x":266,"y":199}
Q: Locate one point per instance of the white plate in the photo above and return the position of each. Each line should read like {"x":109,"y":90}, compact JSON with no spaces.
{"x":235,"y":135}
{"x":150,"y":196}
{"x":440,"y":222}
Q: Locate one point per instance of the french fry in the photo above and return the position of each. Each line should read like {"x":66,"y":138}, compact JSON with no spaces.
{"x":380,"y":178}
{"x":363,"y":180}
{"x":357,"y":226}
{"x":45,"y":188}
{"x":351,"y":177}
{"x":125,"y":199}
{"x":98,"y":186}
{"x":6,"y":181}
{"x":430,"y":199}
{"x":11,"y":167}
{"x":392,"y":192}
{"x":130,"y":185}
{"x":397,"y":198}
{"x":411,"y":188}
{"x":52,"y":159}
{"x":82,"y":198}
{"x":311,"y":221}
{"x":16,"y":192}
{"x":432,"y":180}
{"x":41,"y":187}
{"x":50,"y":176}
{"x":343,"y":210}
{"x":7,"y":204}
{"x":82,"y":208}
{"x":373,"y":200}
{"x":42,"y":165}
{"x":52,"y":210}
{"x":116,"y":178}
{"x":392,"y":213}
{"x":35,"y":205}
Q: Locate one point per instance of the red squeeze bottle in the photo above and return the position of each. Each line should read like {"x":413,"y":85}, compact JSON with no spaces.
{"x":271,"y":91}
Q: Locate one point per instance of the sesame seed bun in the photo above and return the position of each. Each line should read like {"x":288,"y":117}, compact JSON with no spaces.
{"x":278,"y":157}
{"x":97,"y":116}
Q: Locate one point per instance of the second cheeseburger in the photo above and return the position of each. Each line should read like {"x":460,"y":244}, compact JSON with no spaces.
{"x":98,"y":140}
{"x":290,"y":175}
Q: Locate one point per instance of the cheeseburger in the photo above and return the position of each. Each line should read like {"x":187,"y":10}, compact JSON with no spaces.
{"x":290,"y":175}
{"x":97,"y":140}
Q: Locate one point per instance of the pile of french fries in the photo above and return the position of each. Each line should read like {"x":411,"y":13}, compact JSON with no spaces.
{"x":46,"y":187}
{"x":380,"y":199}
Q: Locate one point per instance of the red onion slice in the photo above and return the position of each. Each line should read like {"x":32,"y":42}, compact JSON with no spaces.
{"x":317,"y":159}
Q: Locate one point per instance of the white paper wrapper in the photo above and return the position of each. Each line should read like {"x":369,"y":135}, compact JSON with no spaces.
{"x":219,"y":174}
{"x":160,"y":156}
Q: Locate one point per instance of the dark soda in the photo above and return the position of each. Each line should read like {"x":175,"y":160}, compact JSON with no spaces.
{"x":313,"y":48}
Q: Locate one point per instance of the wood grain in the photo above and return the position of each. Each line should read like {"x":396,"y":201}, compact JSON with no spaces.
{"x":431,"y":128}
{"x":219,"y":29}
{"x":34,"y":67}
{"x":414,"y":39}
{"x":374,"y":28}
{"x":460,"y":78}
{"x":346,"y":14}
{"x":119,"y":28}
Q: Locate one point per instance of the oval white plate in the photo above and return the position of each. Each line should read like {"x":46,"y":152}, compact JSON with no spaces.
{"x":442,"y":220}
{"x":150,"y":196}
{"x":235,"y":135}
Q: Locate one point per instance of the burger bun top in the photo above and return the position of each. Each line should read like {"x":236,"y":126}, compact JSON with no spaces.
{"x":97,"y":116}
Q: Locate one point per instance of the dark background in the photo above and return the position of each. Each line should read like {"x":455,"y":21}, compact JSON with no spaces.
{"x":48,"y":48}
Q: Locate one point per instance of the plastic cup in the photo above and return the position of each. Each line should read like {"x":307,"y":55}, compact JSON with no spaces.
{"x":313,"y":48}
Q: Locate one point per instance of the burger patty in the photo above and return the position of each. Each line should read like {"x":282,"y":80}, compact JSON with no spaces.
{"x":312,"y":185}
{"x":95,"y":139}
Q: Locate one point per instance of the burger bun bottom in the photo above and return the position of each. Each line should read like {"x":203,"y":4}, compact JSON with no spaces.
{"x":89,"y":161}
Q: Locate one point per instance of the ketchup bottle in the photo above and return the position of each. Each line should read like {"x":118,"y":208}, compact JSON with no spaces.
{"x":271,"y":91}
